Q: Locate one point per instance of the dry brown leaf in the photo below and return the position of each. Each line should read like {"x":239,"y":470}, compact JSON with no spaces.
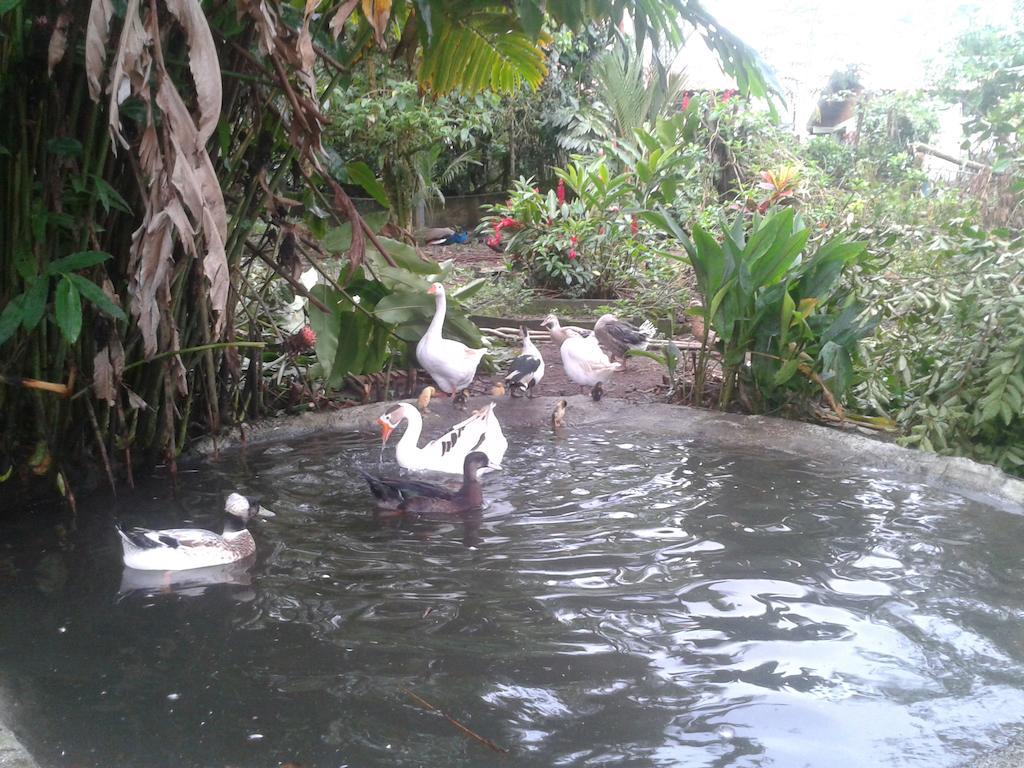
{"x":58,"y":42}
{"x":103,"y":376}
{"x":304,"y":50}
{"x":135,"y":401}
{"x":265,"y":19}
{"x":215,"y":265}
{"x":202,"y":61}
{"x":377,"y":12}
{"x":130,"y":69}
{"x":97,"y":33}
{"x":339,"y":18}
{"x":151,"y":267}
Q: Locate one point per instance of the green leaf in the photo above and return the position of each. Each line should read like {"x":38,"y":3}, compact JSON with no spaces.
{"x":64,"y":147}
{"x":109,"y":197}
{"x":338,"y":239}
{"x":360,"y":173}
{"x":69,"y":310}
{"x":785,"y":373}
{"x":77,"y":261}
{"x":405,"y":256}
{"x":34,"y":304}
{"x":11,"y":318}
{"x":95,"y":294}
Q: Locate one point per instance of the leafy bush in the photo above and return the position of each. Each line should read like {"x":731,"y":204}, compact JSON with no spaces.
{"x":589,"y":247}
{"x":950,"y":351}
{"x":777,"y":310}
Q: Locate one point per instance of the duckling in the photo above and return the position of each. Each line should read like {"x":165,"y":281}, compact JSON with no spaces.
{"x":179,"y":549}
{"x":558,"y":415}
{"x":498,"y":390}
{"x":423,"y":401}
{"x":468,"y":498}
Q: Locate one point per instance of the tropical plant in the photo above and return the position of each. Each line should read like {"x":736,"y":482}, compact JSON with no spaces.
{"x":187,"y":145}
{"x":777,"y":310}
{"x":949,"y":355}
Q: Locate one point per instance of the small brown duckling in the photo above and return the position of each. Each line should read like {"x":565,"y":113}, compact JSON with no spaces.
{"x":423,"y":401}
{"x":558,"y":416}
{"x":468,"y":498}
{"x":498,"y":390}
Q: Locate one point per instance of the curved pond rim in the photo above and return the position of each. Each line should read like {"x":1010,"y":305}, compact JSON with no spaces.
{"x":982,"y":482}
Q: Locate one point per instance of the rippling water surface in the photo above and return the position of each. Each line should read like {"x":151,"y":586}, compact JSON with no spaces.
{"x":617,"y":604}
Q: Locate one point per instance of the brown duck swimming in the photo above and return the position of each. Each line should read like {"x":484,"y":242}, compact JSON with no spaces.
{"x":418,"y":497}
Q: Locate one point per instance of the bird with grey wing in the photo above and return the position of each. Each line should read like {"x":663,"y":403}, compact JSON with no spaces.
{"x":617,"y":337}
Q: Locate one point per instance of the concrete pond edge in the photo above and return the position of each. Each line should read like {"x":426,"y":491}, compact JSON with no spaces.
{"x":760,"y":433}
{"x":679,"y":422}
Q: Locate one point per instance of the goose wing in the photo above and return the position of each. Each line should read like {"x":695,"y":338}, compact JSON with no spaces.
{"x":625,"y":333}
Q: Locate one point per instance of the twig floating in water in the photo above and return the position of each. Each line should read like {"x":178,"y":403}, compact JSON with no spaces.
{"x":472,"y":734}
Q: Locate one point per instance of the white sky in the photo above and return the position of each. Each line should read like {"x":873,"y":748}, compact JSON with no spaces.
{"x":893,"y":40}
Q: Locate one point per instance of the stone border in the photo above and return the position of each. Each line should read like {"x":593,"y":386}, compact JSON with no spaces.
{"x":760,"y":433}
{"x":12,"y":753}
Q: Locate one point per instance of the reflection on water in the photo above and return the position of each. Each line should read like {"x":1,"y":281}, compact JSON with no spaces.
{"x":617,"y":603}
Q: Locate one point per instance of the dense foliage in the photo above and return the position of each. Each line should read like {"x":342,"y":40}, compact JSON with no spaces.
{"x":168,"y":182}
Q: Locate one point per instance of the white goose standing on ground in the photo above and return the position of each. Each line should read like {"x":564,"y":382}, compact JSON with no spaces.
{"x":618,"y":337}
{"x":480,"y":432}
{"x":180,"y":549}
{"x":586,"y":363}
{"x":527,"y":370}
{"x":450,"y":363}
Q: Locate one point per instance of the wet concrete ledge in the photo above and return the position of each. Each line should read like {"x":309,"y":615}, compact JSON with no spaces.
{"x":750,"y":432}
{"x":12,"y":753}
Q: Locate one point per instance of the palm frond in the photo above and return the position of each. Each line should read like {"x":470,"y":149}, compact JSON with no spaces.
{"x":477,"y":50}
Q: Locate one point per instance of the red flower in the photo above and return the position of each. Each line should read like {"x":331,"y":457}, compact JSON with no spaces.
{"x":494,"y":241}
{"x":560,"y":191}
{"x":536,"y":190}
{"x":572,"y":254}
{"x":726,"y":95}
{"x":633,"y":227}
{"x":600,"y":230}
{"x":573,"y":239}
{"x":508,"y":223}
{"x":686,"y":101}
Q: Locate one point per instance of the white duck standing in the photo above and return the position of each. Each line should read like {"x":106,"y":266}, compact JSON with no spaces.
{"x":560,"y":333}
{"x":450,"y":363}
{"x":587,"y":364}
{"x":527,"y":370}
{"x":480,"y":432}
{"x":179,"y":549}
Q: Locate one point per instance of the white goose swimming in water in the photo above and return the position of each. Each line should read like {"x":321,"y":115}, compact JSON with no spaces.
{"x":480,"y":432}
{"x":179,"y":549}
{"x":450,"y":363}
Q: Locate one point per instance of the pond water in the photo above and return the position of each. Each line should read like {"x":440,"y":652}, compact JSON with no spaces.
{"x":617,"y":604}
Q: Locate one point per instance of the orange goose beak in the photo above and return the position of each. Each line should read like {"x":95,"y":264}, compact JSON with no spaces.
{"x":385,"y":429}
